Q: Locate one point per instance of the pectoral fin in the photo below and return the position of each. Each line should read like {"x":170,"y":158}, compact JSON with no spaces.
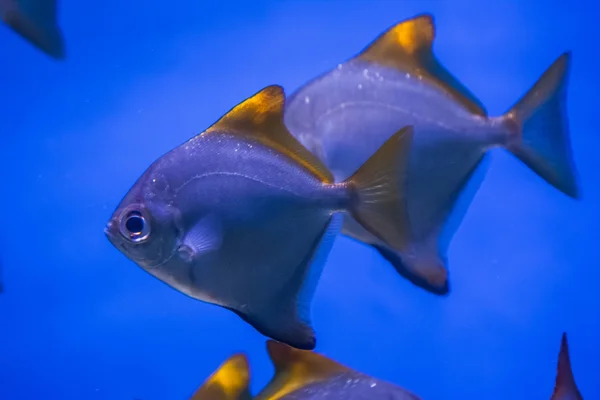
{"x":204,"y":237}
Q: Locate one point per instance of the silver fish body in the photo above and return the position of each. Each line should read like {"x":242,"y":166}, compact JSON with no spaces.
{"x":351,"y":385}
{"x":243,"y":216}
{"x":232,"y":187}
{"x":237,"y":214}
{"x":308,"y":375}
{"x":345,"y":114}
{"x":354,"y":110}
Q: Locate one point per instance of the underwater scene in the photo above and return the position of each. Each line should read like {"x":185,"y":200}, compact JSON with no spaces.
{"x":299,"y":200}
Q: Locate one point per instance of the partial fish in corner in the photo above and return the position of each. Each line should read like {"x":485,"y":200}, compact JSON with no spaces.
{"x":565,"y":387}
{"x":231,"y":381}
{"x":243,"y":216}
{"x":344,"y":115}
{"x":36,"y":21}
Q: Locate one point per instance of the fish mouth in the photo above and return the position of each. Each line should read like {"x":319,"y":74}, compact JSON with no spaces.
{"x":109,"y":231}
{"x":108,"y":228}
{"x":115,"y":238}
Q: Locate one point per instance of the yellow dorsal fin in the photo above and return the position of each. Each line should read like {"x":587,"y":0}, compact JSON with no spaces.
{"x":231,"y":381}
{"x":261,"y":117}
{"x":408,"y":46}
{"x":295,"y":369}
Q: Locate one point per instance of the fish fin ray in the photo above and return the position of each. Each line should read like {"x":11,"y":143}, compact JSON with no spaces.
{"x":261,"y":117}
{"x":540,"y":130}
{"x":383,"y":210}
{"x":231,"y":381}
{"x":565,"y":381}
{"x":205,"y":236}
{"x":408,"y":46}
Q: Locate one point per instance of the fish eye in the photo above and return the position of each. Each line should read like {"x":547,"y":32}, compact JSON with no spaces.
{"x":135,"y":227}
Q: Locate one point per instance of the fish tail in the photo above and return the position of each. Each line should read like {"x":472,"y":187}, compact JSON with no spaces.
{"x":539,"y":129}
{"x":378,"y":186}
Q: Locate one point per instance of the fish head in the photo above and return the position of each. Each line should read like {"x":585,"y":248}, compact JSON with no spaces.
{"x":144,"y":225}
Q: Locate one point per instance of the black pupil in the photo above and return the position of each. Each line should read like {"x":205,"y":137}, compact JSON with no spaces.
{"x":135,"y":224}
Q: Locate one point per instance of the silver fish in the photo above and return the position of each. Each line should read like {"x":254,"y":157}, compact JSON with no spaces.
{"x":243,"y":216}
{"x":565,"y":387}
{"x":307,"y":375}
{"x":344,"y":115}
{"x":35,"y":21}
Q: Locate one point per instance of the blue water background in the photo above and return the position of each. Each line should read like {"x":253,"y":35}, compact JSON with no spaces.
{"x":80,"y":321}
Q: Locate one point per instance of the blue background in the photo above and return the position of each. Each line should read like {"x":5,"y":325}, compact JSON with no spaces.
{"x":80,"y":321}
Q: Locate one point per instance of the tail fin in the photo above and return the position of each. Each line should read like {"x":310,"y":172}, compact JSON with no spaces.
{"x":565,"y":387}
{"x":231,"y":381}
{"x":541,"y":123}
{"x":380,"y":204}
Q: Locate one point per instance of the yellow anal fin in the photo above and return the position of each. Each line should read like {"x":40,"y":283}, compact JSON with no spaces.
{"x":261,"y":117}
{"x":408,"y":46}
